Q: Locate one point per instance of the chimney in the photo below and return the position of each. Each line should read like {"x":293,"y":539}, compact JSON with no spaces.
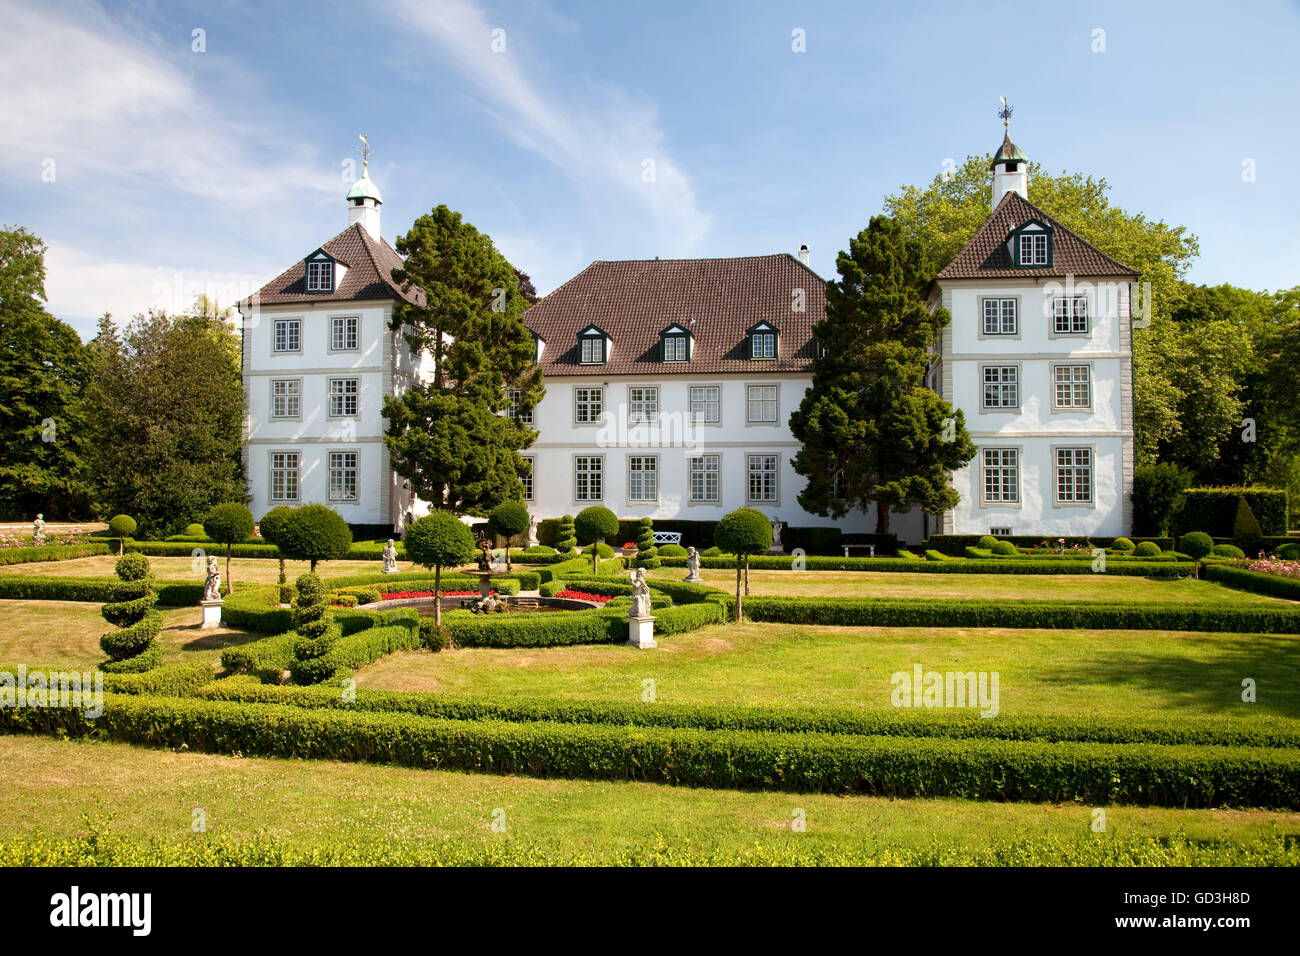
{"x":805,"y":255}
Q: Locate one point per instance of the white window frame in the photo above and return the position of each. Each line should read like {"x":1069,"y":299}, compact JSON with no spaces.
{"x":678,"y":343}
{"x":343,"y":395}
{"x":288,"y":472}
{"x":758,"y":345}
{"x":1071,"y":386}
{"x":585,"y":343}
{"x":343,"y":470}
{"x":1075,"y":467}
{"x":324,"y":275}
{"x":709,"y":466}
{"x":643,"y":404}
{"x":705,"y":402}
{"x":585,"y":398}
{"x":774,"y":402}
{"x":1037,"y":249}
{"x":764,"y":472}
{"x":513,"y":397}
{"x":1069,"y":310}
{"x":1001,"y":387}
{"x":647,"y":467}
{"x":1000,"y":532}
{"x":1006,"y":464}
{"x":527,"y":480}
{"x":583,"y":467}
{"x":340,"y":329}
{"x":1005,"y":311}
{"x":294,"y":394}
{"x":293,"y":326}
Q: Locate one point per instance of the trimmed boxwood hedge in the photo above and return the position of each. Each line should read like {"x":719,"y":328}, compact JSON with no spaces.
{"x":1144,"y":774}
{"x":1245,"y":579}
{"x":1211,"y":731}
{"x":1214,"y":510}
{"x":53,"y":552}
{"x":1166,"y":565}
{"x":169,"y":680}
{"x":523,"y":580}
{"x":956,"y":544}
{"x":357,"y":650}
{"x":48,"y":587}
{"x":878,"y":612}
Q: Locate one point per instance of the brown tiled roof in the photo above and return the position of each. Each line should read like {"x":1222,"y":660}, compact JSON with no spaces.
{"x":986,"y":256}
{"x":369,"y":274}
{"x":716,"y":300}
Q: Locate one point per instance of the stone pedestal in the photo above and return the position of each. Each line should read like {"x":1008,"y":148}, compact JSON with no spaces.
{"x":211,"y":614}
{"x":641,"y":632}
{"x":484,"y":585}
{"x":693,"y":579}
{"x":391,"y":571}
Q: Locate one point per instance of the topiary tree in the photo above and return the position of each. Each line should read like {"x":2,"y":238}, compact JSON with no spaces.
{"x":272,"y":528}
{"x":122,"y":526}
{"x":1228,"y":551}
{"x":439,"y":540}
{"x":743,"y":532}
{"x":229,"y":524}
{"x":315,"y":533}
{"x":1004,"y":549}
{"x":314,"y":622}
{"x":987,"y":542}
{"x":647,"y":555}
{"x":592,"y":525}
{"x":508,"y":519}
{"x":1147,"y":549}
{"x":130,"y":608}
{"x":194,"y":530}
{"x":1246,"y":530}
{"x":1121,"y":544}
{"x":566,"y":539}
{"x":1196,"y":544}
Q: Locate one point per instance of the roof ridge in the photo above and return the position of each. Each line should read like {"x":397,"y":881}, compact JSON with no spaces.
{"x":766,"y":255}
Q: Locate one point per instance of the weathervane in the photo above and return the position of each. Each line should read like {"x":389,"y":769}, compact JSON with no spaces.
{"x":365,"y":149}
{"x":1005,"y":112}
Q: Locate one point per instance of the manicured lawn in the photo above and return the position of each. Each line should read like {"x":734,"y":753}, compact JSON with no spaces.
{"x":153,"y":794}
{"x":992,"y":587}
{"x":1041,"y":671}
{"x":65,"y":634}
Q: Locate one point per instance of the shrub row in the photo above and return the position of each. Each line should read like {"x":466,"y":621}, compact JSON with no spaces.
{"x":955,"y":544}
{"x":170,"y":680}
{"x":1145,"y":774}
{"x":939,"y":563}
{"x":891,"y":722}
{"x":875,"y":612}
{"x":1214,"y":510}
{"x":53,"y":552}
{"x":357,"y":650}
{"x":525,"y":580}
{"x":264,"y":659}
{"x":47,"y":587}
{"x":1245,"y":579}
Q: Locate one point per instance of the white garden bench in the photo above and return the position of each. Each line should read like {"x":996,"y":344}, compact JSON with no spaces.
{"x":668,"y":537}
{"x":871,"y":549}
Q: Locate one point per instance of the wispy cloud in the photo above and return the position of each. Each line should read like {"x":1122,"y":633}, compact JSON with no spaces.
{"x":601,"y":137}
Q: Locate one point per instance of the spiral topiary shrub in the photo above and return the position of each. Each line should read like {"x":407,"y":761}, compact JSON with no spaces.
{"x":1004,"y":548}
{"x":566,"y":538}
{"x":1196,"y":544}
{"x":1147,"y":549}
{"x":987,"y":542}
{"x":314,"y":622}
{"x":647,"y":555}
{"x":122,"y":527}
{"x":1121,"y":544}
{"x":133,"y":647}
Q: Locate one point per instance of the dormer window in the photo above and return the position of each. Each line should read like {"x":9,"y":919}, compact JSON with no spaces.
{"x":1031,"y":245}
{"x":675,"y":344}
{"x":593,"y":346}
{"x":762,"y":341}
{"x":320,"y":273}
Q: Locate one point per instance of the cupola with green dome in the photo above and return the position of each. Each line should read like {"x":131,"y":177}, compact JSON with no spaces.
{"x":1010,"y":166}
{"x":364,"y":198}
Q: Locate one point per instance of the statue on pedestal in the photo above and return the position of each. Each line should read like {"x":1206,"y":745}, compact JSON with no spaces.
{"x":212,"y":586}
{"x":38,"y":531}
{"x":640,"y":596}
{"x":485,"y":554}
{"x":390,"y":557}
{"x":693,"y":566}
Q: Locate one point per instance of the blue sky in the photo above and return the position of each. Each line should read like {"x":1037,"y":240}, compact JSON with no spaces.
{"x":153,"y":170}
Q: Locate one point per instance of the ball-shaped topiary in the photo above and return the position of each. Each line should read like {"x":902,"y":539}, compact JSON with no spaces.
{"x":229,"y":524}
{"x":314,"y":533}
{"x":591,"y":525}
{"x":1004,"y":548}
{"x":603,"y":551}
{"x":566,"y":538}
{"x":1228,"y":551}
{"x":987,"y":542}
{"x":1196,"y":544}
{"x":1289,"y":552}
{"x":271,"y":528}
{"x":122,"y":527}
{"x":647,"y":555}
{"x":540,"y":549}
{"x":1121,"y":544}
{"x":713,"y":552}
{"x":672,"y":551}
{"x":132,"y":648}
{"x":439,"y":540}
{"x":195,"y":530}
{"x":743,"y":532}
{"x":508,"y":519}
{"x":1148,"y":549}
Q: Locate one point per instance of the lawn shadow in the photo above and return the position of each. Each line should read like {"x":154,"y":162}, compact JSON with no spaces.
{"x":1211,"y":683}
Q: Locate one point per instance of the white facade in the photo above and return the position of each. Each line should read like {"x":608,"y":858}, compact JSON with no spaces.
{"x":1051,"y":412}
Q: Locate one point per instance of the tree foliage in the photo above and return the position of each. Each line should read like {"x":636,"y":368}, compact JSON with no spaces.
{"x":230,"y":523}
{"x":314,"y":533}
{"x":449,"y":437}
{"x":871,"y":431}
{"x":508,"y":519}
{"x":743,"y":532}
{"x":439,"y":540}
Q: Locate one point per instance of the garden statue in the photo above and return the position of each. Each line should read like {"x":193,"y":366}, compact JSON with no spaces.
{"x":485,"y":554}
{"x":212,"y":586}
{"x":532,"y":530}
{"x":777,"y":547}
{"x":38,"y":531}
{"x":693,"y":566}
{"x":390,"y":557}
{"x":640,"y":596}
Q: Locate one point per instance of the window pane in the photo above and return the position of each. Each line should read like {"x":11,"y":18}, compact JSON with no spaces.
{"x":704,"y":403}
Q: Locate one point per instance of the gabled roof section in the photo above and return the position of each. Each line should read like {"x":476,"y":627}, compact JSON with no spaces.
{"x":370,"y":263}
{"x":716,"y":301}
{"x":986,"y":255}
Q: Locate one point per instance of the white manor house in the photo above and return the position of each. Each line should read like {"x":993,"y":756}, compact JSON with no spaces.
{"x":670,"y":383}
